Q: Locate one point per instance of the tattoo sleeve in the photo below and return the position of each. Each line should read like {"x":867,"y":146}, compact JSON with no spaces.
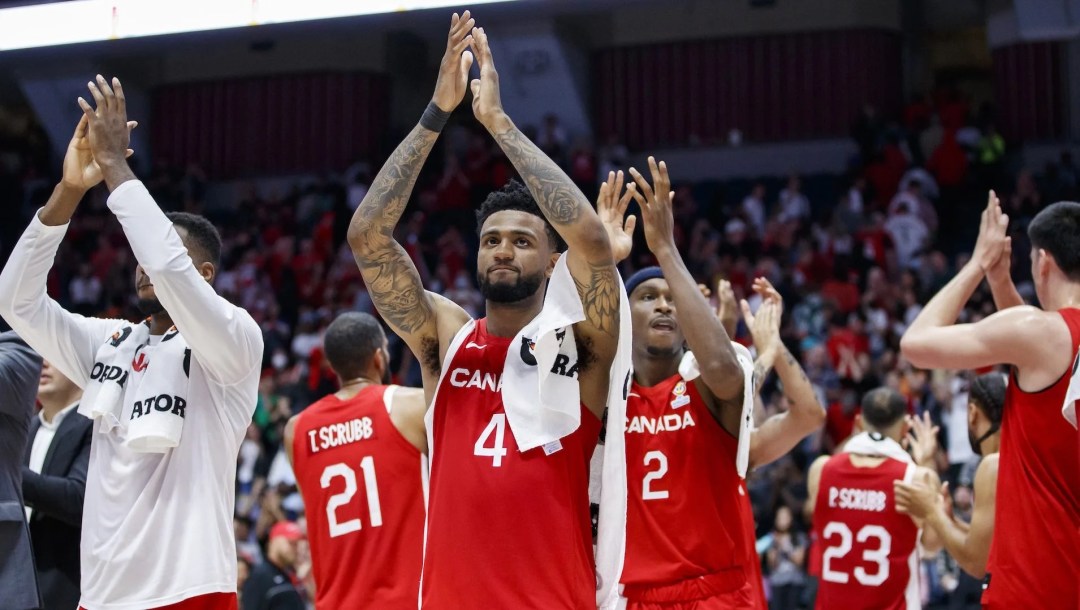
{"x":559,"y":198}
{"x":391,"y":277}
{"x":600,"y":298}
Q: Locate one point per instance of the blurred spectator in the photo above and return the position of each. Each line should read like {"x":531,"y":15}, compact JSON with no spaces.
{"x":908,"y":233}
{"x":794,"y":206}
{"x":274,"y":584}
{"x":785,"y":559}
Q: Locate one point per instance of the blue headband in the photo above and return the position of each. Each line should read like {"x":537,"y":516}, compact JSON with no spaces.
{"x":644,"y":275}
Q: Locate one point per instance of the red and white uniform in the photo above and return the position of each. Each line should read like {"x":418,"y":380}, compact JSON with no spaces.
{"x":684,"y":528}
{"x":364,"y":487}
{"x":506,"y":529}
{"x":1035,"y":554}
{"x":867,"y":550}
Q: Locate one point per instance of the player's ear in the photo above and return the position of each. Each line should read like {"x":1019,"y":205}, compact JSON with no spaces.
{"x":858,"y":426}
{"x":1045,"y":263}
{"x":207,"y":271}
{"x":551,"y":264}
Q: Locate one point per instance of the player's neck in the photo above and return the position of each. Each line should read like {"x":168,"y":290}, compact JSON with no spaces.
{"x":507,"y":319}
{"x":990,"y":445}
{"x":160,"y":323}
{"x":865,"y":461}
{"x":352,"y":387}
{"x":651,"y":369}
{"x":1067,"y":296}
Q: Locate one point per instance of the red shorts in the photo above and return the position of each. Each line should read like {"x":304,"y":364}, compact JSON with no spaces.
{"x":725,"y":590}
{"x":211,"y":601}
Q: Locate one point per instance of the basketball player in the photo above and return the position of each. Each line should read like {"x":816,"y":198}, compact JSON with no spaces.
{"x":1033,"y":556}
{"x":684,"y":535}
{"x":867,"y":549}
{"x":969,"y":544}
{"x":157,"y":523}
{"x":506,"y":528}
{"x":778,"y":435}
{"x":358,"y":458}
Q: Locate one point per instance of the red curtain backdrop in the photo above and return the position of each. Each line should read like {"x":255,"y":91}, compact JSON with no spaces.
{"x":1029,"y":90}
{"x":270,"y":124}
{"x":770,"y":87}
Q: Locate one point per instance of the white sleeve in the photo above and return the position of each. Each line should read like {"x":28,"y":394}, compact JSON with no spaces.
{"x":224,"y":338}
{"x":68,"y":341}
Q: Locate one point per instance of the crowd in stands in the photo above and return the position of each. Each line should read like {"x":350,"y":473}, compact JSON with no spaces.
{"x":855,"y":255}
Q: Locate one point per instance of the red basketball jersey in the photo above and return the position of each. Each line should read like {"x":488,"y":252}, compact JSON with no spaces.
{"x":506,"y":529}
{"x":1035,"y":553}
{"x":683,"y":519}
{"x":363,"y":486}
{"x":753,"y":560}
{"x":868,"y":558}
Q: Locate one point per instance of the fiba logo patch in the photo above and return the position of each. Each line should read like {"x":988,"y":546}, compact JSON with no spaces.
{"x":680,"y":398}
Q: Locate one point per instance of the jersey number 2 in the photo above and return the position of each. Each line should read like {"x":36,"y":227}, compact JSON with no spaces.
{"x":338,"y":500}
{"x":879,"y":556}
{"x":647,"y":492}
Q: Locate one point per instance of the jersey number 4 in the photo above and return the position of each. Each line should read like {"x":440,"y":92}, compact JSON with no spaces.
{"x":879,"y":556}
{"x":336,"y":501}
{"x":497,"y":451}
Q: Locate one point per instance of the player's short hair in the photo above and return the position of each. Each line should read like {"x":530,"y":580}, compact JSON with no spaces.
{"x":350,"y":343}
{"x":202,"y":235}
{"x":515,"y":196}
{"x":883,"y":407}
{"x":1056,"y":229}
{"x":987,"y":393}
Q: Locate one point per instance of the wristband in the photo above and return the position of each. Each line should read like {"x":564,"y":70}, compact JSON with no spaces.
{"x":434,"y":119}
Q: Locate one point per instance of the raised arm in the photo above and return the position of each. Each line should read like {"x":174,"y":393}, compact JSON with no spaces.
{"x":224,"y":338}
{"x":391,"y":277}
{"x":994,"y":248}
{"x":589,"y":256}
{"x":68,"y":340}
{"x":1016,"y":335}
{"x":781,"y":432}
{"x":704,"y":333}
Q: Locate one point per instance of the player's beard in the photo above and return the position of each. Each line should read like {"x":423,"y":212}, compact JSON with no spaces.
{"x":150,"y":307}
{"x":523,"y":288}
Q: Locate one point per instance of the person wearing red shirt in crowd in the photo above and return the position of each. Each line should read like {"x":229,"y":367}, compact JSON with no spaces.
{"x":949,"y":162}
{"x":1033,"y":556}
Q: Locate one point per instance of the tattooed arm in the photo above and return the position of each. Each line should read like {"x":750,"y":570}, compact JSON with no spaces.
{"x":424,"y":320}
{"x":589,"y":255}
{"x":780,"y":433}
{"x":721,"y":375}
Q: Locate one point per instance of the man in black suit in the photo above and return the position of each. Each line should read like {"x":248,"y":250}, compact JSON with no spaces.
{"x":19,"y":370}
{"x":54,"y":480}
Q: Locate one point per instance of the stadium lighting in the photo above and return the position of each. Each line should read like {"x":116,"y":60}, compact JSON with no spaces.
{"x":60,"y":23}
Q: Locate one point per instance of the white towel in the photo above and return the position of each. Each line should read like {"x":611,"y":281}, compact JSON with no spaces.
{"x":611,"y":535}
{"x":146,"y":384}
{"x":540,"y":387}
{"x":874,"y":444}
{"x":1072,"y":394}
{"x":103,"y":397}
{"x":688,"y":369}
